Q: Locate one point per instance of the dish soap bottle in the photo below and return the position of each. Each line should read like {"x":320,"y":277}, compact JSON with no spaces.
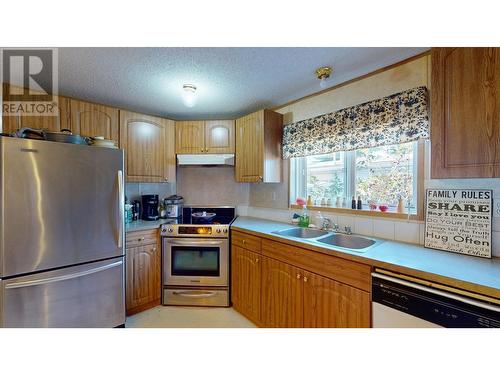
{"x":304,"y":218}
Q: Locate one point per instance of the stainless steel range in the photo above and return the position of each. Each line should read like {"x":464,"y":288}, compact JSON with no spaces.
{"x":195,"y":265}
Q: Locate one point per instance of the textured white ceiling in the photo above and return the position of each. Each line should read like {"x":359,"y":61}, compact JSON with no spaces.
{"x":230,"y":81}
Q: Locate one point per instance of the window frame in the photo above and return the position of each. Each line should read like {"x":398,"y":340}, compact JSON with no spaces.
{"x":298,"y":187}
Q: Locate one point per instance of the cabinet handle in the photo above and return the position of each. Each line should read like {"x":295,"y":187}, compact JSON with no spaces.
{"x":154,"y":249}
{"x":305,"y":279}
{"x":298,"y":276}
{"x":206,"y":149}
{"x":202,"y":150}
{"x":244,"y":242}
{"x":256,"y":260}
{"x":140,"y":239}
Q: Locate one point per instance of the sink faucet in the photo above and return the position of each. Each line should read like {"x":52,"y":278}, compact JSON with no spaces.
{"x":348,"y":230}
{"x":327,"y":223}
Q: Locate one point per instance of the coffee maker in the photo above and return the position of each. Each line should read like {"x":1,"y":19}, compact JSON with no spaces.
{"x":150,"y":207}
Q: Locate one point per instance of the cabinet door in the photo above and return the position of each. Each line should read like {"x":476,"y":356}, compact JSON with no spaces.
{"x":143,"y":277}
{"x":149,"y":155}
{"x":190,"y":137}
{"x":281,"y":294}
{"x":465,"y":112}
{"x":219,"y":136}
{"x":60,"y":119}
{"x":246,"y":282}
{"x":93,"y":120}
{"x":249,"y":148}
{"x":330,"y":304}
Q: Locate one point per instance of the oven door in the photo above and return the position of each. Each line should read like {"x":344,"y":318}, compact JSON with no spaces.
{"x":195,"y":261}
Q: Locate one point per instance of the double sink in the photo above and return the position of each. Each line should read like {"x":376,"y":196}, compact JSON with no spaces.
{"x":337,"y":240}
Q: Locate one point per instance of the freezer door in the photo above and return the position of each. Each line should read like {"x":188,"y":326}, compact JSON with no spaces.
{"x":62,"y":205}
{"x":90,"y":295}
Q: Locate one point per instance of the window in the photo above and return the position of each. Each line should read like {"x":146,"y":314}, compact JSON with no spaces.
{"x":380,"y":174}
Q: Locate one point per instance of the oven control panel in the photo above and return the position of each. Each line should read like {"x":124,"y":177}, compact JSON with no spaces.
{"x":191,"y":230}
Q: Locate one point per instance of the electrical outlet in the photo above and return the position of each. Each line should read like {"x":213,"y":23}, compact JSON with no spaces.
{"x":496,"y":208}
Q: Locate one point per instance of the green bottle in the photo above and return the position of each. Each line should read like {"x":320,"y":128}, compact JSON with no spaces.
{"x":304,"y":218}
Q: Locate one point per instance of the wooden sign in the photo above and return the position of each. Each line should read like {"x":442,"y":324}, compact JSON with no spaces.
{"x":459,"y":220}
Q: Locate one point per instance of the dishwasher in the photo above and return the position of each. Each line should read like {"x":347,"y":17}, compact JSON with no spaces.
{"x":400,"y":301}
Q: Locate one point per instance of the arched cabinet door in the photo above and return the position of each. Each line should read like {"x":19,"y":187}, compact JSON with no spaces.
{"x":190,"y":137}
{"x":219,"y":136}
{"x":465,"y":103}
{"x":94,"y":120}
{"x":245,"y":282}
{"x":143,"y":276}
{"x":329,"y":304}
{"x":148,"y":142}
{"x":282,"y":290}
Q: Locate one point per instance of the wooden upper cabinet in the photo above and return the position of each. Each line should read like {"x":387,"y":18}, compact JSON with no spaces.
{"x":282,"y":289}
{"x":246,"y":282}
{"x":329,"y":304}
{"x":60,"y":119}
{"x":465,"y":103}
{"x":149,"y":147}
{"x":219,"y":137}
{"x":92,"y":120}
{"x":190,"y":137}
{"x":201,"y":137}
{"x":258,"y":147}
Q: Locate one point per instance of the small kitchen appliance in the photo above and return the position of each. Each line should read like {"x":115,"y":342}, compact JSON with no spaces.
{"x":174,"y":204}
{"x":150,"y":207}
{"x":195,"y":263}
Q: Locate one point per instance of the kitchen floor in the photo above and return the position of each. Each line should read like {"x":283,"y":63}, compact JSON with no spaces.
{"x":188,"y":317}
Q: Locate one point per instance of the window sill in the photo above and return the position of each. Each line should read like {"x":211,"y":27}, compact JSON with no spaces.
{"x":350,"y":211}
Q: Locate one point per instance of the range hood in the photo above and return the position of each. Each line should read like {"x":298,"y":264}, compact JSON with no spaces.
{"x":205,"y":159}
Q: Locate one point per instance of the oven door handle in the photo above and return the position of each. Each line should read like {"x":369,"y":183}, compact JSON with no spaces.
{"x":194,"y":243}
{"x":195,"y":294}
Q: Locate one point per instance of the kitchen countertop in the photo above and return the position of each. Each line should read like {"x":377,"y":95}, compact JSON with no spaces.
{"x":145,"y":224}
{"x":461,"y":271}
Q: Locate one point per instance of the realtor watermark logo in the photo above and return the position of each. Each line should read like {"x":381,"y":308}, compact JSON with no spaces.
{"x":29,"y":77}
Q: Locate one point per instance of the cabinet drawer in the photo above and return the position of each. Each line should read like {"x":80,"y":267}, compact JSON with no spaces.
{"x":140,"y":238}
{"x":345,"y":271}
{"x":246,"y":241}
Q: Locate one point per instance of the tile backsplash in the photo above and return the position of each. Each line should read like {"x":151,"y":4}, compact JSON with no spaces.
{"x":134,"y":190}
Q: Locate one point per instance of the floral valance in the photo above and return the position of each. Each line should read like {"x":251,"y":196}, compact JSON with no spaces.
{"x":397,"y":118}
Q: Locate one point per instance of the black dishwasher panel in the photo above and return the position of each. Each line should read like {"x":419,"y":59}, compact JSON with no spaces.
{"x":435,"y":308}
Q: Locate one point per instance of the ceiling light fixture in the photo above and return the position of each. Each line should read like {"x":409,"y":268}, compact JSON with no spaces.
{"x":189,"y":95}
{"x":323,"y":74}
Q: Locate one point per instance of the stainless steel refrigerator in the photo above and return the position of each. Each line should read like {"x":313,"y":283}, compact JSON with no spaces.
{"x":61,"y":235}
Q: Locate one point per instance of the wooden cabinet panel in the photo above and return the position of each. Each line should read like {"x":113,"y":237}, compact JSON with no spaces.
{"x":246,"y":241}
{"x":250,"y":148}
{"x":329,"y":304}
{"x":246,"y":282}
{"x":219,"y":137}
{"x":345,"y":271}
{"x":51,"y":123}
{"x":465,"y":101}
{"x":149,"y":154}
{"x":93,"y":120}
{"x":190,"y":137}
{"x":143,"y":285}
{"x":258,"y":147}
{"x":281,"y":295}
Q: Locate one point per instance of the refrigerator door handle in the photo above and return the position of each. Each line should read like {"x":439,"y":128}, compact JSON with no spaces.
{"x":47,"y":280}
{"x":121,"y":208}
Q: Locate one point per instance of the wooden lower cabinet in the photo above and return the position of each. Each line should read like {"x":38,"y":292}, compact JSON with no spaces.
{"x":276,"y":294}
{"x":246,"y":280}
{"x":328,"y":303}
{"x":282,"y":292}
{"x":143,"y":275}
